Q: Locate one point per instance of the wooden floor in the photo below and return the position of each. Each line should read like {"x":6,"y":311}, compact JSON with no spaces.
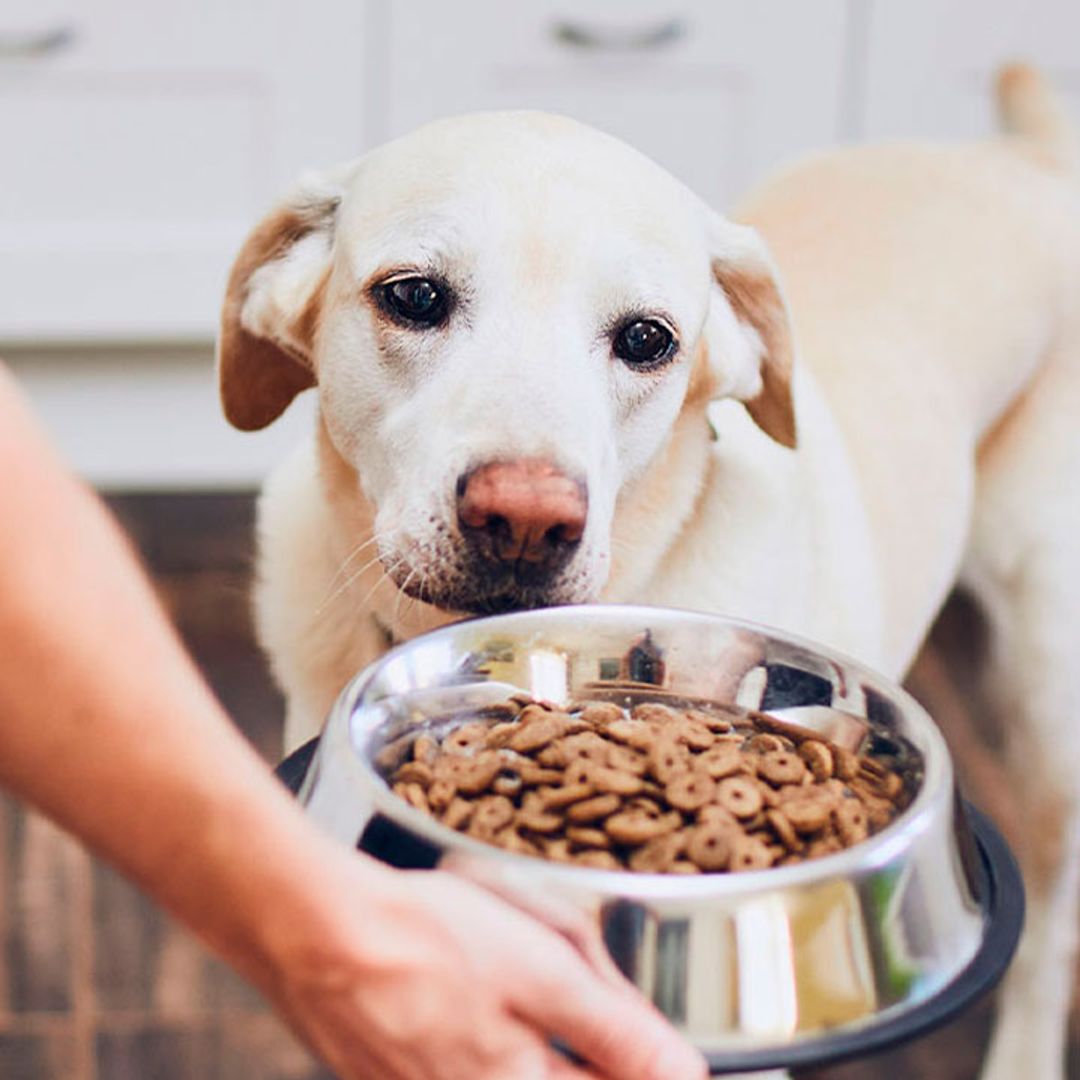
{"x":95,"y":984}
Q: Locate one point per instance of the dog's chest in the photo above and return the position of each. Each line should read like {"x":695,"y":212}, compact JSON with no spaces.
{"x":778,"y":537}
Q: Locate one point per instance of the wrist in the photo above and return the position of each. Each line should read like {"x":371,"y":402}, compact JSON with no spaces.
{"x":304,"y":896}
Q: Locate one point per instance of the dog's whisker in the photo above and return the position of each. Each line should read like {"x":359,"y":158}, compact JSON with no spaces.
{"x":401,"y":592}
{"x":403,"y":611}
{"x":352,"y":554}
{"x":333,"y":590}
{"x":349,"y":582}
{"x":356,"y":551}
{"x":384,"y":576}
{"x":417,"y":597}
{"x":344,"y":586}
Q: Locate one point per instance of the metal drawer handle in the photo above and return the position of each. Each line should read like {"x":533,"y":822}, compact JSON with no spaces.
{"x":36,"y":43}
{"x":618,"y":38}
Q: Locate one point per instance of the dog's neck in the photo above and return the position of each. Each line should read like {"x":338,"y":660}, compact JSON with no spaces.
{"x":652,"y":512}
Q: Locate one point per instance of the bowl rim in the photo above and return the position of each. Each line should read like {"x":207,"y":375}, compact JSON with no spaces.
{"x":933,"y":799}
{"x":1000,"y":899}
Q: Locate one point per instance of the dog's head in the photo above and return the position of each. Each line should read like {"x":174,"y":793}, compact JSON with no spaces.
{"x":505,"y":315}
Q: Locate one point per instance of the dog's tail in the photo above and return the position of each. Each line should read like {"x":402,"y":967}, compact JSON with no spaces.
{"x":1028,"y":106}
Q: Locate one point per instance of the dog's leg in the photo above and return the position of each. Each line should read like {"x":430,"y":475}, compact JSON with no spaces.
{"x":1025,"y":565}
{"x":1039,"y":689}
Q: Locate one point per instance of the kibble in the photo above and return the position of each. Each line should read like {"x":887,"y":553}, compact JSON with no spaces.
{"x":653,"y":788}
{"x":710,"y":846}
{"x":782,"y":767}
{"x":818,"y":757}
{"x":595,"y":809}
{"x":690,"y":791}
{"x":740,"y":795}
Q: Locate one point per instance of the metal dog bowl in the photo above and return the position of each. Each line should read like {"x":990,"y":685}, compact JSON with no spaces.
{"x":830,"y":958}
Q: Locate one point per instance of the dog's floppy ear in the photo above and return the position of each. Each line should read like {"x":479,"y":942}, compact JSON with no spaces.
{"x":272,"y":305}
{"x":745,"y":275}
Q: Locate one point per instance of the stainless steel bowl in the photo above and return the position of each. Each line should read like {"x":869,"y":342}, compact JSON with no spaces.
{"x":782,"y":966}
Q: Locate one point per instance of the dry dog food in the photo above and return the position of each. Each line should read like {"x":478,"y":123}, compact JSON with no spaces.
{"x":650,"y":787}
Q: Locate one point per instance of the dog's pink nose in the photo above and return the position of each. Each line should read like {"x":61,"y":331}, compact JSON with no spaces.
{"x":524,"y":509}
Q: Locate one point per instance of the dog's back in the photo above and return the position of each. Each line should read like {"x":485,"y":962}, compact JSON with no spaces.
{"x":928,"y":285}
{"x":936,"y":295}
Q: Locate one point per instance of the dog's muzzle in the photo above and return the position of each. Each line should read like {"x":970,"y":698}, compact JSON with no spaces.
{"x":521,"y":521}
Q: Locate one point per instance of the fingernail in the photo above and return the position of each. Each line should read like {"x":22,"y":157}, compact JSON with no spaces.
{"x":680,"y":1063}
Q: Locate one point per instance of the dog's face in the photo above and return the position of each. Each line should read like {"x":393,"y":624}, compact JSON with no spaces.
{"x":505,"y":316}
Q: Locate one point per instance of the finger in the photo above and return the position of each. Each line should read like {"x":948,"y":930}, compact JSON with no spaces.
{"x":614,"y":1029}
{"x":585,"y":936}
{"x":560,"y":914}
{"x":561,"y":1069}
{"x":538,"y":1060}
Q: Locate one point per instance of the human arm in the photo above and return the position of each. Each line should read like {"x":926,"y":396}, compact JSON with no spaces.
{"x":106,"y":726}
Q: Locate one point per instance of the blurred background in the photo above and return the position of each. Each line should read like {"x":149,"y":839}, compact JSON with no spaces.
{"x":142,"y":140}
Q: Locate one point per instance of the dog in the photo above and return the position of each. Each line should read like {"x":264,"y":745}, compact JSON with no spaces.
{"x":547,"y":373}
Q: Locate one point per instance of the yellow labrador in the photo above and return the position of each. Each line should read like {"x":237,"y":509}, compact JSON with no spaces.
{"x":547,"y":373}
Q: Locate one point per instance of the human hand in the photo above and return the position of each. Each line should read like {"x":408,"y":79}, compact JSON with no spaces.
{"x":424,"y":976}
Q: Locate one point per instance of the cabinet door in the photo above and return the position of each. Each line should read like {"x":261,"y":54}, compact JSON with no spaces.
{"x":930,"y":63}
{"x":140,"y":142}
{"x":718,"y":92}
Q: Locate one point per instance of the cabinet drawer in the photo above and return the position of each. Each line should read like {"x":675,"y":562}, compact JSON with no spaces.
{"x":930,"y":64}
{"x":717,"y":92}
{"x":141,"y":141}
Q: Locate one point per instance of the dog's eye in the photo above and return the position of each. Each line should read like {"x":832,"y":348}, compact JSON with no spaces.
{"x":644,"y":343}
{"x":416,"y":300}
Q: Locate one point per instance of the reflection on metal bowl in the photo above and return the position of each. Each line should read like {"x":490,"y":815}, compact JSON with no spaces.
{"x":790,"y":965}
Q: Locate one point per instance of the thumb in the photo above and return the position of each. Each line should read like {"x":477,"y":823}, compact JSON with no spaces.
{"x":614,"y":1029}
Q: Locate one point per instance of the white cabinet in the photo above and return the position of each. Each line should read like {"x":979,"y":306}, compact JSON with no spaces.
{"x":717,"y":92}
{"x":930,"y":64}
{"x":140,"y":141}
